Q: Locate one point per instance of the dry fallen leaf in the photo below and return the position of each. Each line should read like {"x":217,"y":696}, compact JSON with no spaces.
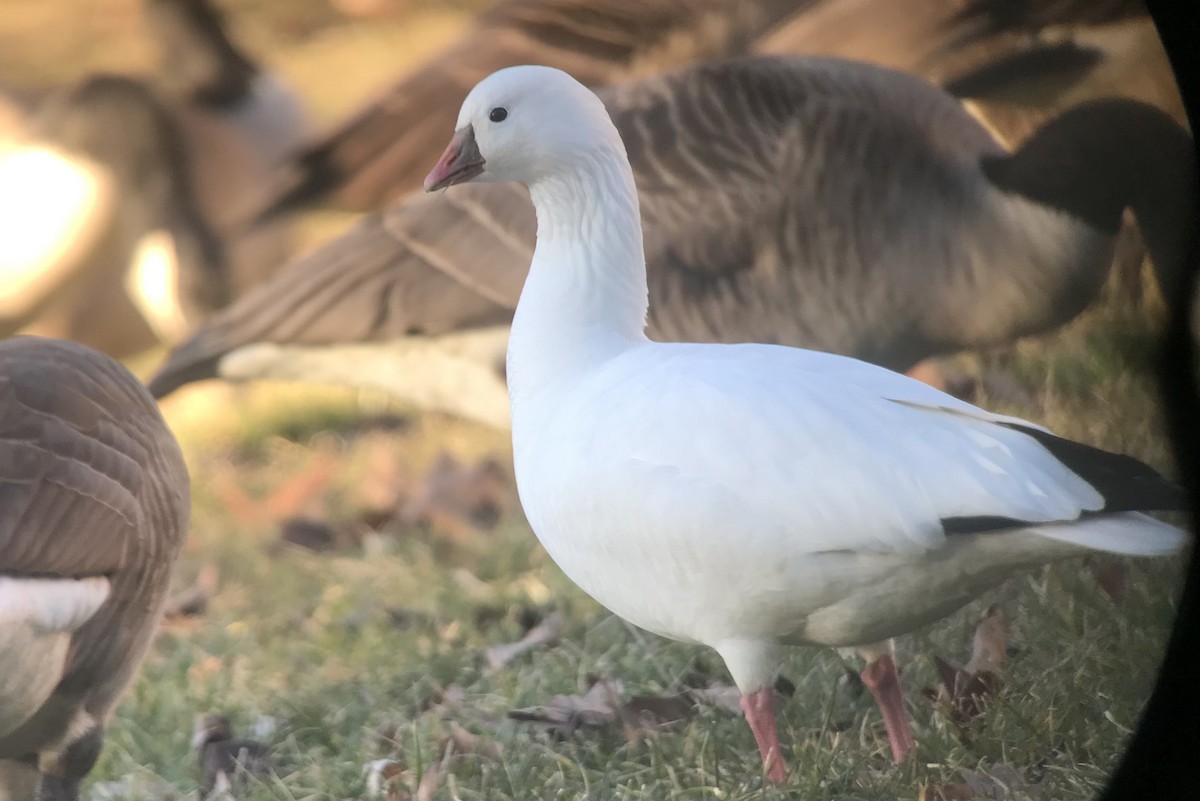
{"x":294,"y":496}
{"x":386,"y":483}
{"x":1111,"y":574}
{"x":545,"y":633}
{"x":966,"y":689}
{"x":990,"y":643}
{"x":564,"y":714}
{"x":386,"y":780}
{"x":467,"y":743}
{"x":604,"y":704}
{"x":458,"y":500}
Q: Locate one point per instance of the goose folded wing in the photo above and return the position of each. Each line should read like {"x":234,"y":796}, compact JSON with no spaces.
{"x":428,"y":266}
{"x":70,"y":477}
{"x":778,"y":446}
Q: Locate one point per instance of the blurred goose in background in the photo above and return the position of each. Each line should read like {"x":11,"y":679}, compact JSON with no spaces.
{"x":377,"y":154}
{"x":381,"y":152}
{"x":140,"y":244}
{"x":1014,"y":64}
{"x":810,"y":202}
{"x":749,"y":497}
{"x":94,"y":504}
{"x":99,"y":191}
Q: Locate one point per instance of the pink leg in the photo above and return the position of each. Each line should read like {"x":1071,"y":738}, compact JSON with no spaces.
{"x":759,"y":707}
{"x":881,"y":678}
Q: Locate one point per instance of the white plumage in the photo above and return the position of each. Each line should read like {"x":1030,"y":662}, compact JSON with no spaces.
{"x":747,"y":496}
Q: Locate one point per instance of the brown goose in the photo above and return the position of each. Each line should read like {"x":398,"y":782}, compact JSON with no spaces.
{"x":153,"y":182}
{"x":1013,"y":84}
{"x":383,"y":151}
{"x":379,"y":154}
{"x":812,"y":202}
{"x":94,"y":505}
{"x":121,"y":196}
{"x":983,"y":18}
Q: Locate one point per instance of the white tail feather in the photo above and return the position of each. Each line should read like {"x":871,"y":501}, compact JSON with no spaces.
{"x":1131,"y":533}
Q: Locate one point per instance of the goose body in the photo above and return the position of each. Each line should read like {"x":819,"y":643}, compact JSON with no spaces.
{"x":94,"y":503}
{"x":752,"y":496}
{"x":380,"y":152}
{"x":377,"y":154}
{"x":751,"y":234}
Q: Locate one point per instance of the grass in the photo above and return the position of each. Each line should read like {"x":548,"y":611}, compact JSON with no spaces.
{"x":348,"y":651}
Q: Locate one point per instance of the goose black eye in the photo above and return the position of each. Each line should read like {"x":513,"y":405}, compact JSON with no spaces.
{"x":498,"y":114}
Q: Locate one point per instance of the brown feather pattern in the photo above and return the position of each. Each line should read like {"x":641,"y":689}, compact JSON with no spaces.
{"x":383,"y":151}
{"x":91,"y":483}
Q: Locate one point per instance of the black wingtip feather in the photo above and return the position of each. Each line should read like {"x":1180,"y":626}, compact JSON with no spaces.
{"x":1125,"y":483}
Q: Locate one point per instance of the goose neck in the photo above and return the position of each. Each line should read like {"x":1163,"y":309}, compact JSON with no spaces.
{"x":585,"y":298}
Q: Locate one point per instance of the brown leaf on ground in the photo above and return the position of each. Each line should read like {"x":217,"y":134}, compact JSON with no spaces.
{"x":604,"y":705}
{"x":545,"y":633}
{"x":718,"y":694}
{"x":966,"y":690}
{"x":564,"y":714}
{"x":298,"y":494}
{"x":387,"y":482}
{"x":1112,"y":575}
{"x":457,"y":500}
{"x":193,"y":601}
{"x":302,"y":492}
{"x":467,"y":743}
{"x":990,"y":642}
{"x":387,"y":779}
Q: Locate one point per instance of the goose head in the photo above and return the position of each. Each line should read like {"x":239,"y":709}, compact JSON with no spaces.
{"x":524,"y":124}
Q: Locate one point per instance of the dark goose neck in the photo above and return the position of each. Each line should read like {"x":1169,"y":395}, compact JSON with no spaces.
{"x":200,"y":61}
{"x":1099,"y":158}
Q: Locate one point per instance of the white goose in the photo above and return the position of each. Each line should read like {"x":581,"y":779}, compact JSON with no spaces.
{"x":749,"y":497}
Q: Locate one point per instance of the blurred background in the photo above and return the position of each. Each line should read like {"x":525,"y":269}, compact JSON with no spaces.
{"x":357,"y":566}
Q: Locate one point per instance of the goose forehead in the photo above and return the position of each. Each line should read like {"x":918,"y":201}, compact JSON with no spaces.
{"x":530,"y":85}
